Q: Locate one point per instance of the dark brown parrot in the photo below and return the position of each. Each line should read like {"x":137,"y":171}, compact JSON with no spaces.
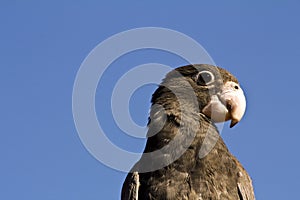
{"x":185,"y":157}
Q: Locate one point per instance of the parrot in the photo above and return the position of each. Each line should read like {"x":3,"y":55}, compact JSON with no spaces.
{"x":185,"y":157}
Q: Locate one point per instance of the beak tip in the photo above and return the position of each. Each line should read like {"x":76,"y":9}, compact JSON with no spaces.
{"x":233,"y":123}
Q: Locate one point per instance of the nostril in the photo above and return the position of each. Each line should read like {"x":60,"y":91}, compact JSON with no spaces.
{"x":228,"y":105}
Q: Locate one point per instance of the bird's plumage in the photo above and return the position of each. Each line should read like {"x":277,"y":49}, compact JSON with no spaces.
{"x":194,"y":162}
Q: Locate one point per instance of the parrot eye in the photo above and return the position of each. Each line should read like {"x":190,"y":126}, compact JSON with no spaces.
{"x":205,"y":78}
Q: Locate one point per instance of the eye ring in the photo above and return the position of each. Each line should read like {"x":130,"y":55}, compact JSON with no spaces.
{"x":205,"y":78}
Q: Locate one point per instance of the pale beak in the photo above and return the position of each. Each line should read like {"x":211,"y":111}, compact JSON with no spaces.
{"x":230,"y":104}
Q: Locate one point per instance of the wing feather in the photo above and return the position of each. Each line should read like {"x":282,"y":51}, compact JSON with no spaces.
{"x":131,"y":189}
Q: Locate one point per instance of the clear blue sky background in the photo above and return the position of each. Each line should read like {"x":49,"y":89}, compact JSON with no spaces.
{"x":42,"y":45}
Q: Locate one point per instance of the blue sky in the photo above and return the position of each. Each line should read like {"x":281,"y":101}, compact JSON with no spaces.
{"x":44,"y":44}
